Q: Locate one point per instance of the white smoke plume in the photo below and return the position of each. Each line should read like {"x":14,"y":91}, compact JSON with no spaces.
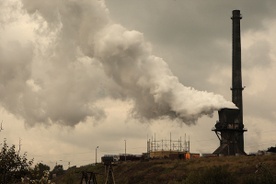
{"x":78,"y":56}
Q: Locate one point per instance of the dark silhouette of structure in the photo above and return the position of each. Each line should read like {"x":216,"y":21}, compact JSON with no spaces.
{"x":108,"y":162}
{"x":230,"y":127}
{"x":109,"y":174}
{"x":88,"y":177}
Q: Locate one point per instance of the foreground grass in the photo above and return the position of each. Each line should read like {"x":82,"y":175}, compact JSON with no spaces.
{"x":242,"y":169}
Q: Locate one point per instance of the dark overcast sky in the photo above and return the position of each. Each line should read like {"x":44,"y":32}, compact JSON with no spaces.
{"x":191,"y":33}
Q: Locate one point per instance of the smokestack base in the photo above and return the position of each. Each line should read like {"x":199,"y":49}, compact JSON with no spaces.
{"x":228,"y":130}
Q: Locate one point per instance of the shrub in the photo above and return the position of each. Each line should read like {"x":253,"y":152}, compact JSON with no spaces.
{"x":13,"y":166}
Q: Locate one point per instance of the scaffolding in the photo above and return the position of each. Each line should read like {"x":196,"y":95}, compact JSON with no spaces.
{"x":166,"y":147}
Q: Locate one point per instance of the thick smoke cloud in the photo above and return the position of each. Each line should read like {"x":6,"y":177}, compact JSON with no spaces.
{"x":147,"y":79}
{"x":78,"y":57}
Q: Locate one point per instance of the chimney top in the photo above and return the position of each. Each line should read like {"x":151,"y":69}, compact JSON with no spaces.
{"x":236,"y":14}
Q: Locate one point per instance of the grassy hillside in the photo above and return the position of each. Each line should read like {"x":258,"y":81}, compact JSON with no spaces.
{"x":242,"y":169}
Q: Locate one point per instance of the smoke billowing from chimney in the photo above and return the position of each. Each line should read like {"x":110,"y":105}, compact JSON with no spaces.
{"x":80,"y":56}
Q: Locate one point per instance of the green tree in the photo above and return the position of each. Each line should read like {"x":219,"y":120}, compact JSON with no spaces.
{"x":58,"y":170}
{"x":39,"y":170}
{"x":13,"y":166}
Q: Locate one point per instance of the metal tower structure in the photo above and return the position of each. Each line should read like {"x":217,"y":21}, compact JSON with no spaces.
{"x":109,"y":174}
{"x":88,"y":177}
{"x":230,"y":127}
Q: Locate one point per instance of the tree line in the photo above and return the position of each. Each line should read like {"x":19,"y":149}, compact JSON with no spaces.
{"x":15,"y":168}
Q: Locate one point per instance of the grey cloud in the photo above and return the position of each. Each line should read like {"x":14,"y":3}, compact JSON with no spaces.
{"x":15,"y":62}
{"x":258,"y":55}
{"x":67,"y":73}
{"x":186,"y":33}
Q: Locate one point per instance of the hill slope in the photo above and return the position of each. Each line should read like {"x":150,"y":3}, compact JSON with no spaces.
{"x":242,"y":169}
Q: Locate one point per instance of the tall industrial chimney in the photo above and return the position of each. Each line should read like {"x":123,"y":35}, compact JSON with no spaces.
{"x":230,"y":128}
{"x":236,"y":72}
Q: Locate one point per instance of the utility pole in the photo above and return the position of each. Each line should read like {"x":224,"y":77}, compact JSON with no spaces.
{"x":96,"y":154}
{"x":125,"y":150}
{"x":170,"y":141}
{"x":1,"y":128}
{"x":19,"y":147}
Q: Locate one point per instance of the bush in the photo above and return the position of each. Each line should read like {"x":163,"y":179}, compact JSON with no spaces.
{"x":13,"y":166}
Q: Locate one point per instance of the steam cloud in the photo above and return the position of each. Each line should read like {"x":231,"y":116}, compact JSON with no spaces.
{"x":79,"y":56}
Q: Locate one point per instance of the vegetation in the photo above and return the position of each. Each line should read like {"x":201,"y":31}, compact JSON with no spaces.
{"x":58,"y":170}
{"x":211,"y":175}
{"x":39,"y":175}
{"x":214,"y":170}
{"x":241,"y":169}
{"x":15,"y":168}
{"x":12,"y":165}
{"x":39,"y":170}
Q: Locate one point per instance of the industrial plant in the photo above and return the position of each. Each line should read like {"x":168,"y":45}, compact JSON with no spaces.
{"x":230,"y":128}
